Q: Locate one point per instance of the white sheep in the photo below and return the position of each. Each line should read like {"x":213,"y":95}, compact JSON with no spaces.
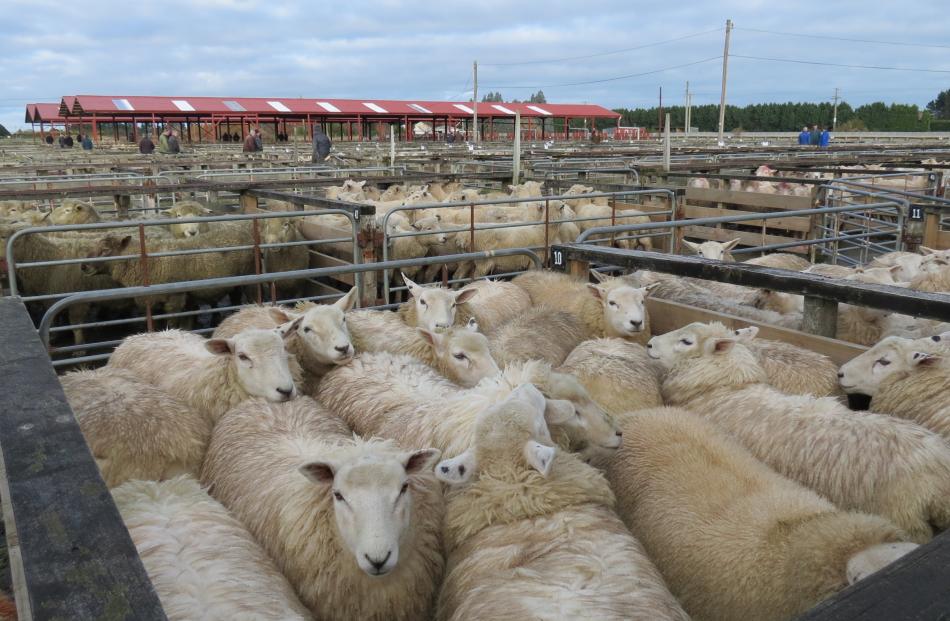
{"x":792,"y":370}
{"x":905,"y":378}
{"x":211,"y":375}
{"x":188,"y":210}
{"x":539,"y":333}
{"x":934,"y":281}
{"x":718,"y":251}
{"x":74,"y":212}
{"x":611,"y":308}
{"x":395,"y":397}
{"x":870,"y":463}
{"x":592,"y":215}
{"x":414,"y":246}
{"x":531,"y":532}
{"x":700,"y":503}
{"x":435,"y":308}
{"x":203,"y":562}
{"x":353,"y":524}
{"x":618,"y":374}
{"x":320,"y":342}
{"x":283,"y":258}
{"x":134,"y":430}
{"x":459,"y":353}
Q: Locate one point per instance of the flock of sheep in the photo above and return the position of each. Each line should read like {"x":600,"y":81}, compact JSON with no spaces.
{"x":514,"y":450}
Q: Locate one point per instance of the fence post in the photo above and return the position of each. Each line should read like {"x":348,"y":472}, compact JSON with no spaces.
{"x":579,"y":269}
{"x":820,"y":317}
{"x":122,"y":204}
{"x":248,"y":203}
{"x":369,"y":238}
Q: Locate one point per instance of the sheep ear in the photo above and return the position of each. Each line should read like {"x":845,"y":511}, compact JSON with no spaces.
{"x":279,"y":315}
{"x":361,"y":183}
{"x":598,"y":292}
{"x":421,"y":460}
{"x":348,"y":301}
{"x":747,"y":334}
{"x":438,"y":217}
{"x":921,"y":359}
{"x":219,"y":347}
{"x":893,"y":270}
{"x":529,"y":393}
{"x":167,"y":212}
{"x":465,"y":295}
{"x":472,"y":325}
{"x":539,"y":456}
{"x":415,"y":226}
{"x":925,"y":250}
{"x":456,"y":470}
{"x":558,"y":411}
{"x":693,"y":246}
{"x":289,"y":328}
{"x":124,"y":242}
{"x":729,"y":245}
{"x":598,"y":276}
{"x":414,"y":289}
{"x":649,"y":288}
{"x":318,"y":472}
{"x":434,"y":339}
{"x":720,"y":346}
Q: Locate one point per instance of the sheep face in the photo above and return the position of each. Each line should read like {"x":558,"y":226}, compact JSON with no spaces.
{"x":73,"y":212}
{"x":278,"y":230}
{"x":875,"y":275}
{"x":323,"y":329}
{"x":462,"y":354}
{"x":592,"y":432}
{"x":372,"y":503}
{"x":108,"y":246}
{"x":353,"y":187}
{"x":624,"y":313}
{"x":432,"y":225}
{"x":259,"y":361}
{"x":778,"y":301}
{"x":393,"y":193}
{"x":692,"y":341}
{"x":892,"y":357}
{"x":435,"y":307}
{"x":515,"y":429}
{"x":186,"y":211}
{"x":717,"y":251}
{"x":933,"y":262}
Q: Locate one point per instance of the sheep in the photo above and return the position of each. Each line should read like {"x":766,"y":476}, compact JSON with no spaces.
{"x":393,"y":193}
{"x":531,"y":532}
{"x":906,"y":378}
{"x":203,"y":563}
{"x":717,"y":251}
{"x":610,"y":308}
{"x":74,"y":212}
{"x":188,"y":210}
{"x":790,"y":369}
{"x":618,"y":374}
{"x":211,"y":375}
{"x":781,"y":260}
{"x":933,"y":282}
{"x":497,"y":302}
{"x":434,"y":308}
{"x":414,"y":246}
{"x":539,"y":333}
{"x":441,"y":190}
{"x":594,"y":215}
{"x":284,"y":258}
{"x":320,"y":342}
{"x":134,"y":430}
{"x":353,"y":524}
{"x":395,"y":397}
{"x":458,"y":353}
{"x":701,"y":503}
{"x":907,"y":263}
{"x":869,"y":463}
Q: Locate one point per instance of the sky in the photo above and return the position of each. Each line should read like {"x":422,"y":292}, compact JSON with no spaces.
{"x":424,"y":50}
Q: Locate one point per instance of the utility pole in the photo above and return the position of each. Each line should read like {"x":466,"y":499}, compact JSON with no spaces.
{"x":475,"y":103}
{"x":659,"y":114}
{"x":686,"y":111}
{"x":834,"y":118}
{"x":725,"y":71}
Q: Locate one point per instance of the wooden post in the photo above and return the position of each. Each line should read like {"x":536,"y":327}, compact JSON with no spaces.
{"x":666,"y":143}
{"x":122,"y":204}
{"x":931,"y":230}
{"x":248,"y":203}
{"x":820,"y":317}
{"x":516,"y":152}
{"x":368,"y":238}
{"x":579,"y":269}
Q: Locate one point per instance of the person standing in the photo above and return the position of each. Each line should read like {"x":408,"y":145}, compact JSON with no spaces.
{"x":68,"y":142}
{"x":804,"y":138}
{"x":321,"y":145}
{"x":163,"y":141}
{"x":48,"y":140}
{"x":258,"y":140}
{"x":249,"y":145}
{"x":86,"y":143}
{"x":146,"y":146}
{"x":825,"y":139}
{"x":174,"y":145}
{"x":814,"y":138}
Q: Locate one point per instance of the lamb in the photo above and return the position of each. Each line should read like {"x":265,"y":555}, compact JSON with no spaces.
{"x":203,"y":562}
{"x":188,"y":210}
{"x":134,"y":430}
{"x":906,"y":378}
{"x":353,"y":524}
{"x":211,"y":375}
{"x":539,"y":333}
{"x":781,"y":260}
{"x":714,"y":250}
{"x":74,"y":212}
{"x":395,"y":397}
{"x":416,"y":245}
{"x":593,"y":215}
{"x":320,"y":342}
{"x":459,"y":353}
{"x":792,"y":370}
{"x":497,"y":302}
{"x":933,"y":282}
{"x":870,"y":463}
{"x":434,"y":308}
{"x":618,"y":374}
{"x":531,"y":533}
{"x":284,"y":258}
{"x":680,"y":479}
{"x":611,"y":308}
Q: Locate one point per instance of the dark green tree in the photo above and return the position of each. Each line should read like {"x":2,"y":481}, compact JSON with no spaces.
{"x":4,"y":132}
{"x":940,"y":107}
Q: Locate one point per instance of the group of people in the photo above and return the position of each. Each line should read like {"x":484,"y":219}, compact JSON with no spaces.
{"x":253,"y":142}
{"x":168,"y":143}
{"x":66,"y":141}
{"x":815,"y":136}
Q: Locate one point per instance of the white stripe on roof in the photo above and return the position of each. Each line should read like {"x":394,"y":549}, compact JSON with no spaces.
{"x":540,"y":110}
{"x":329,"y":107}
{"x":279,"y":106}
{"x":503,"y":109}
{"x":375,"y":107}
{"x":464,"y":108}
{"x":183,"y":105}
{"x":420,"y":108}
{"x":122,"y":104}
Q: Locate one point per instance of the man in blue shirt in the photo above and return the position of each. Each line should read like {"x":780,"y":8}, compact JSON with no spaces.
{"x":825,"y":138}
{"x":815,"y":137}
{"x":803,"y":137}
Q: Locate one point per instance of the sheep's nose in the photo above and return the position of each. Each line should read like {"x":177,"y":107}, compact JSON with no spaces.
{"x":343,"y":349}
{"x":649,"y":345}
{"x":619,"y":434}
{"x":377,"y":563}
{"x":636,"y":324}
{"x":840,"y":375}
{"x":286,"y":392}
{"x":443,"y":326}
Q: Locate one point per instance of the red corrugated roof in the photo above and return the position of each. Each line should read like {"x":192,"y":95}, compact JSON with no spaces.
{"x":123,"y":105}
{"x":46,"y":112}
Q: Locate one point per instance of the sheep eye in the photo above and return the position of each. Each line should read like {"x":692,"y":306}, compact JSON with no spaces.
{"x":423,"y":302}
{"x":935,"y":339}
{"x":612,"y":303}
{"x":883,"y":362}
{"x":244,"y":357}
{"x":307,"y":329}
{"x":405,"y":486}
{"x":686,"y":342}
{"x":338,"y":496}
{"x":459,"y":356}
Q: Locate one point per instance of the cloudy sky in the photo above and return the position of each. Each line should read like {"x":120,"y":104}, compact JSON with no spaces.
{"x":424,"y":50}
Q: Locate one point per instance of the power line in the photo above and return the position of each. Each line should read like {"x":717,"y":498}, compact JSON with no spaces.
{"x":627,"y":49}
{"x":614,"y":79}
{"x":874,"y":41}
{"x":824,"y":64}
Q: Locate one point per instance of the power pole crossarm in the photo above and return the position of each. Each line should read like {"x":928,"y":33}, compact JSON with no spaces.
{"x":725,"y":72}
